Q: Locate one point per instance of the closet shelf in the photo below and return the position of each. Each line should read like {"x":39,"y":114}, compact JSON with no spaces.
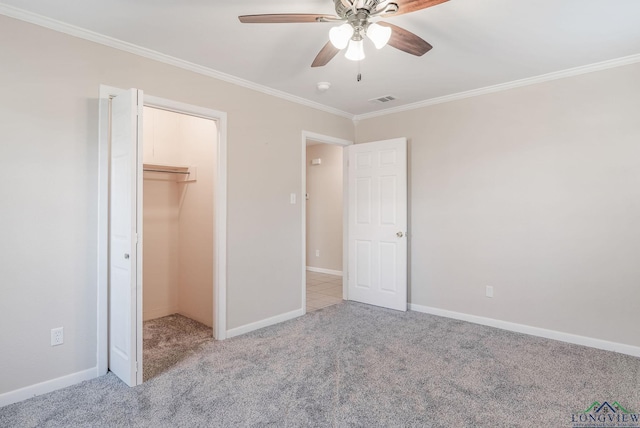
{"x":181,"y":173}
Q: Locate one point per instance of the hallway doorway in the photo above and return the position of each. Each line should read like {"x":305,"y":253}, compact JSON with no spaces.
{"x":324,"y":221}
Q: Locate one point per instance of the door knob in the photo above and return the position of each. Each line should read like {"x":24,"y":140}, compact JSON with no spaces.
{"x":126,"y":256}
{"x":399,"y":234}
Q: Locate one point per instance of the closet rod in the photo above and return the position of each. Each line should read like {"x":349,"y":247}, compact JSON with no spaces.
{"x":167,"y":171}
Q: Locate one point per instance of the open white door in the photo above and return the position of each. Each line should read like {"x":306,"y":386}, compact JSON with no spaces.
{"x":125,"y":327}
{"x":378,"y":223}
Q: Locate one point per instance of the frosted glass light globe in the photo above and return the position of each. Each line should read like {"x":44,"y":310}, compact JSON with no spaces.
{"x":341,"y":35}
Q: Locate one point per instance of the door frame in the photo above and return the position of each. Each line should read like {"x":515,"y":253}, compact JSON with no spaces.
{"x":326,"y":139}
{"x":220,"y":216}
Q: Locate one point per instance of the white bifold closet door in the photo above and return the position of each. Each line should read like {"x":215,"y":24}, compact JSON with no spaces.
{"x":125,"y":297}
{"x":378,"y":223}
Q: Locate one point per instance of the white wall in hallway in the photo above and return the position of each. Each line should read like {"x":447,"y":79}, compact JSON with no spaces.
{"x":324,"y":207}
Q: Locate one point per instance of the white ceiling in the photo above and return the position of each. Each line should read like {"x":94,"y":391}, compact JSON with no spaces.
{"x":477,"y":43}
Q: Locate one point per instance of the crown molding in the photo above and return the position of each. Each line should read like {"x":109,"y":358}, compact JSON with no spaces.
{"x":604,"y":65}
{"x":92,"y":36}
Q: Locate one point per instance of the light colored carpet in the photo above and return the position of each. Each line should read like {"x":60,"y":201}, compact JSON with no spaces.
{"x":169,"y":340}
{"x":354,"y":365}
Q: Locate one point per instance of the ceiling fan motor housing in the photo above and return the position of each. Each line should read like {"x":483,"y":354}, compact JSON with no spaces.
{"x":345,"y":8}
{"x":342,"y":10}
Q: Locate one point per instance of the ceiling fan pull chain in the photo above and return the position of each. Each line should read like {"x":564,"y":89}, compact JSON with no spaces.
{"x":359,"y":76}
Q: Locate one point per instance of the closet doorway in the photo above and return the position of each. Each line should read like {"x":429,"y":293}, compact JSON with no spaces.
{"x":122,"y":240}
{"x":178,"y":247}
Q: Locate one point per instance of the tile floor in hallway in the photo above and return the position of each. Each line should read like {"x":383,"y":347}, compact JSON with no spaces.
{"x":323,"y":290}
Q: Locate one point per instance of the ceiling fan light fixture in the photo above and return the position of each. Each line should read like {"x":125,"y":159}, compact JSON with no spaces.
{"x":378,"y":34}
{"x":341,"y":35}
{"x":355,"y":51}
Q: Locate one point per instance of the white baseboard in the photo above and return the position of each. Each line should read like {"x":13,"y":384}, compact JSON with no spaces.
{"x":47,"y":386}
{"x":264,"y":323}
{"x":323,"y":270}
{"x":533,"y":331}
{"x":158,"y":313}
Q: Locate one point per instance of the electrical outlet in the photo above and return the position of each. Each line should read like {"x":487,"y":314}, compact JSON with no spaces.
{"x":57,"y":336}
{"x":489,"y":291}
{"x":317,"y":253}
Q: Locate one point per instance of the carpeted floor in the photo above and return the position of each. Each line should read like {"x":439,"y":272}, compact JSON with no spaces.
{"x":354,"y":365}
{"x":169,"y":340}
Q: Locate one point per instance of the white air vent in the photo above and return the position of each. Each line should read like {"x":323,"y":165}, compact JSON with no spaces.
{"x":384,"y":99}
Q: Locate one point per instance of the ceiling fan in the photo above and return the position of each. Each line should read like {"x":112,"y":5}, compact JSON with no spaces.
{"x":357,"y":16}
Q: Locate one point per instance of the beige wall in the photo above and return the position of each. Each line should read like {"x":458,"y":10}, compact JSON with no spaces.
{"x":535,"y":192}
{"x":161,"y":215}
{"x":196,"y":220}
{"x":178,"y":217}
{"x":161,"y":239}
{"x":324,"y":207}
{"x":49,"y":164}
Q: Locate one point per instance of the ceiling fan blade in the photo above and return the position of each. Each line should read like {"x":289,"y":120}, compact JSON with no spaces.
{"x":325,"y":55}
{"x":407,"y":6}
{"x":406,"y":41}
{"x":278,"y":18}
